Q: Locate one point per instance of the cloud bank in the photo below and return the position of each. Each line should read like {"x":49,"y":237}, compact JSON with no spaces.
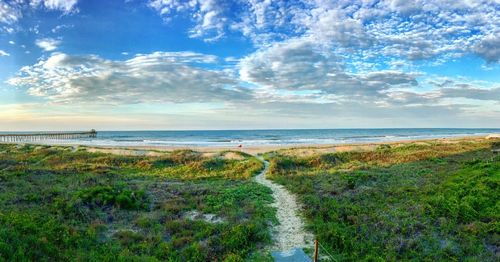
{"x":149,"y":78}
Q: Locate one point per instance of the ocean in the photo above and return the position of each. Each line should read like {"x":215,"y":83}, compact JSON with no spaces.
{"x":229,"y":138}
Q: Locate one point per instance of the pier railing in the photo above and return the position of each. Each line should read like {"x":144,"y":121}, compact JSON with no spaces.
{"x":31,"y":137}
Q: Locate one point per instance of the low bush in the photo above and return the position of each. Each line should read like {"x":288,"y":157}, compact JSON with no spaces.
{"x":117,"y":196}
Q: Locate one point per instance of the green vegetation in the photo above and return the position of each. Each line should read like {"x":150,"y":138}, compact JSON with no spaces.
{"x":60,"y":204}
{"x":417,"y":201}
{"x":117,"y":196}
{"x":430,"y":201}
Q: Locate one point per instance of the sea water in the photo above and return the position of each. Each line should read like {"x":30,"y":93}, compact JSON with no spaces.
{"x":228,"y":138}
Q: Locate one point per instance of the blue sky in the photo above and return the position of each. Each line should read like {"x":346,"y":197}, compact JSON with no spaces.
{"x":171,"y":64}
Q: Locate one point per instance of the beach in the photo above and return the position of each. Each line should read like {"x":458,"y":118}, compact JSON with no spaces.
{"x":265,"y":139}
{"x":303,"y":149}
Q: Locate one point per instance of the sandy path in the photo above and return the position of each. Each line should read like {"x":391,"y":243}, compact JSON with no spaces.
{"x":290,"y":232}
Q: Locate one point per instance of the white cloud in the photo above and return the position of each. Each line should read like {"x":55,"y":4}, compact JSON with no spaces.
{"x":149,"y":78}
{"x":354,"y":57}
{"x":48,"y":44}
{"x":9,"y":13}
{"x":489,"y":48}
{"x":292,"y":82}
{"x":362,"y":29}
{"x":12,"y":11}
{"x":414,"y":30}
{"x":34,"y":29}
{"x":476,"y":90}
{"x":7,"y":29}
{"x":208,"y":15}
{"x":298,"y":77}
{"x":299,"y":64}
{"x":3,"y":53}
{"x":65,"y":6}
{"x":231,"y":59}
{"x":471,"y":92}
{"x":255,"y":19}
{"x":60,"y":27}
{"x":12,"y":42}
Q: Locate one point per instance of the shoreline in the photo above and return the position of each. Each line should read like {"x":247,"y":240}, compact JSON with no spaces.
{"x":155,"y":150}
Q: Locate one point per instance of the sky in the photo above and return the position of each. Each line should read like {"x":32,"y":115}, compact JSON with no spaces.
{"x":248,"y":64}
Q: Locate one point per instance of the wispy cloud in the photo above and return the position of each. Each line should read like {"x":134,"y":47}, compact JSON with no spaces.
{"x":258,"y":20}
{"x":48,"y":44}
{"x":60,"y":27}
{"x":66,"y":6}
{"x":12,"y":11}
{"x":3,"y":53}
{"x":9,"y":12}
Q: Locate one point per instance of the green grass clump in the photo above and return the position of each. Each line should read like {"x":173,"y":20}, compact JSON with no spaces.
{"x":118,"y":196}
{"x":470,"y":196}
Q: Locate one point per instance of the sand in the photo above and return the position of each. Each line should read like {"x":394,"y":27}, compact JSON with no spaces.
{"x":300,"y":150}
{"x":290,"y":232}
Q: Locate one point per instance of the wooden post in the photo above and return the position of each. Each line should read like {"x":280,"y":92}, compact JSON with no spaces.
{"x":315,"y":259}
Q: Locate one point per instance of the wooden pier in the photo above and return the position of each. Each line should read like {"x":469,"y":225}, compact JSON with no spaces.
{"x":33,"y":137}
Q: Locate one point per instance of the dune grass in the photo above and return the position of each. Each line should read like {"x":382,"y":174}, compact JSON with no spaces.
{"x":60,"y":204}
{"x":429,"y":201}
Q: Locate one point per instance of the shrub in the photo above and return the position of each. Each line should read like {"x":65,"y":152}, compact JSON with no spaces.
{"x":213,"y":164}
{"x":163,"y":162}
{"x":233,"y":258}
{"x":194,"y":252}
{"x":41,"y":237}
{"x":118,"y":196}
{"x":184,"y":156}
{"x":4,"y":163}
{"x":127,"y":237}
{"x":384,"y":147}
{"x":323,"y":160}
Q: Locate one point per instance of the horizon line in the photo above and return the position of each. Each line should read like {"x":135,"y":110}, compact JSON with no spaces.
{"x":255,"y":129}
